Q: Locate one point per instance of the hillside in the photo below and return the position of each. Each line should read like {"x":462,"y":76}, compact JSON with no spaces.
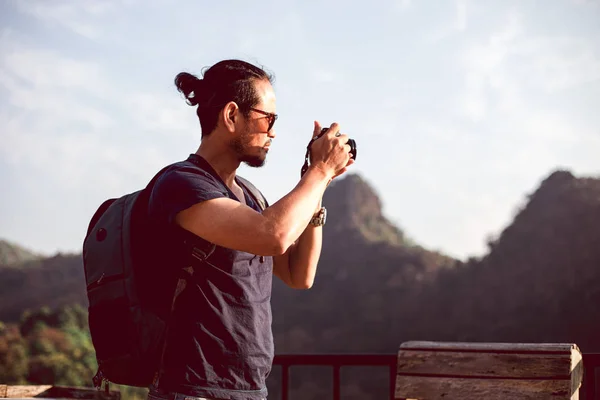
{"x":53,"y":282}
{"x":12,"y":254}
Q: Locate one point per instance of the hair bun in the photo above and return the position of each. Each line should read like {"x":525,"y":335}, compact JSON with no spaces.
{"x":190,"y":86}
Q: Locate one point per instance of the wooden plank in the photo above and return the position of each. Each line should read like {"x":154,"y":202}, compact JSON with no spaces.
{"x":26,"y":390}
{"x":576,"y":370}
{"x":432,"y":388}
{"x":575,"y":395}
{"x":473,"y":364}
{"x":3,"y":390}
{"x":490,"y":347}
{"x":59,"y":392}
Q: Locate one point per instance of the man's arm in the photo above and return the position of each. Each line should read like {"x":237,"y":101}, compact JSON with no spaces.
{"x":298,"y":266}
{"x":231,"y":224}
{"x":228,"y":223}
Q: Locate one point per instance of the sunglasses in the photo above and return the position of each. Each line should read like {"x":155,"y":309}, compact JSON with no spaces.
{"x":272,"y":117}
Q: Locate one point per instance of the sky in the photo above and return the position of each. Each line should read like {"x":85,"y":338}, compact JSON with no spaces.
{"x":460,"y":108}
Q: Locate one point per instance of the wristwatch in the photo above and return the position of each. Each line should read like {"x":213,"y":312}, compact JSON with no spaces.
{"x":319,"y":218}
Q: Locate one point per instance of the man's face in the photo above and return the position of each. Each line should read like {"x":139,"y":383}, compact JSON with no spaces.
{"x":252,"y":144}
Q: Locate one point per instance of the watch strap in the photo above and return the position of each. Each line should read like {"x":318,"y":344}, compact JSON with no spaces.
{"x":319,"y":218}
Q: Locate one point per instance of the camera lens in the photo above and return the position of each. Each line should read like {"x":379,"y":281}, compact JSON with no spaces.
{"x":352,"y":144}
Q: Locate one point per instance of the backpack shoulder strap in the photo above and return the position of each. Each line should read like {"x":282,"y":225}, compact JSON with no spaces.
{"x":155,"y":178}
{"x":101,"y":210}
{"x":256,"y":194}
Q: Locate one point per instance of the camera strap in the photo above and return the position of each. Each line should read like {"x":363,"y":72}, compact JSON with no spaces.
{"x":307,"y":157}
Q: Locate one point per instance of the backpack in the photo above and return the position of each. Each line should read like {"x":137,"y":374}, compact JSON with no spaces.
{"x":129,"y":337}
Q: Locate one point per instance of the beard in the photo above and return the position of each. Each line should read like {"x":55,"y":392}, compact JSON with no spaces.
{"x":241,"y":145}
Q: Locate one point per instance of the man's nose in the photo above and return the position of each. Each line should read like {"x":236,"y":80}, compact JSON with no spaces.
{"x":271,"y":134}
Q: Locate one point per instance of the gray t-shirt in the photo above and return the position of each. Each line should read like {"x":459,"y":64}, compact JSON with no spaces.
{"x":220,"y":342}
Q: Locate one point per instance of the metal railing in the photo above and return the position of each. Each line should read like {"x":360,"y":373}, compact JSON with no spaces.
{"x":591,"y":361}
{"x":336,"y":361}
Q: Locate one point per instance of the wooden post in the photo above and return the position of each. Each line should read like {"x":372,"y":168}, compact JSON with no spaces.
{"x":55,"y":392}
{"x":492,"y":371}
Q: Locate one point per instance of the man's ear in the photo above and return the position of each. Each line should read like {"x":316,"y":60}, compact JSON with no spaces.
{"x":230,"y":114}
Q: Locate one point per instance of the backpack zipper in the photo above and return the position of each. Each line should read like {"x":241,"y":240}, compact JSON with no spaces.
{"x":103,"y":279}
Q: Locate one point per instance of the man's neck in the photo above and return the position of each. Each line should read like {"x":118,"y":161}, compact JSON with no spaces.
{"x":223,"y":162}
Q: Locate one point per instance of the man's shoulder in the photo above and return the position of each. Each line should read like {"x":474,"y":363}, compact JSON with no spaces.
{"x":186,"y":174}
{"x":182,"y":185}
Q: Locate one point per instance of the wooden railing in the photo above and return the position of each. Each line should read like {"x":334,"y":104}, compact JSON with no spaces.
{"x":589,"y":390}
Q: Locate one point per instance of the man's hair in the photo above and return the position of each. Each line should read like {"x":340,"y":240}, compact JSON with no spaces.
{"x":227,"y":80}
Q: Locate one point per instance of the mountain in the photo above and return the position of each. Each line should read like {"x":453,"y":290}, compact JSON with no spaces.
{"x":53,"y":282}
{"x":12,"y":254}
{"x":356,"y":211}
{"x":368,"y":275}
{"x":540,"y":280}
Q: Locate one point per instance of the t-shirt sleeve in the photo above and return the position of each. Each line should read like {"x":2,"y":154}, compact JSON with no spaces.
{"x":180,"y":189}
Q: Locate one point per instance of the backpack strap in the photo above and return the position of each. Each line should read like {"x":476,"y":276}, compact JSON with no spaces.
{"x":256,"y":194}
{"x":101,"y":210}
{"x":182,"y":280}
{"x":107,"y":203}
{"x":152,"y":182}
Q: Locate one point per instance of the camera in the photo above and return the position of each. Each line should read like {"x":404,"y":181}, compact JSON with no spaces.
{"x":351,"y":143}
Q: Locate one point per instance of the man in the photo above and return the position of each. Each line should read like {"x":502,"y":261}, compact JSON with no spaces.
{"x":220,"y":343}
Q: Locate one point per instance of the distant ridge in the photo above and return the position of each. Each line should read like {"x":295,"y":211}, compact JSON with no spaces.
{"x":12,"y":254}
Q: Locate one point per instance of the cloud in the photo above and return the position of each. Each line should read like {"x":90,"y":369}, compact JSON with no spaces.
{"x":81,"y":16}
{"x":404,"y":4}
{"x":322,"y":74}
{"x":587,"y":2}
{"x":512,"y":65}
{"x":156,"y":112}
{"x":509,"y":76}
{"x":559,"y":63}
{"x":55,"y":91}
{"x":44,"y":101}
{"x":461,"y":15}
{"x":449,"y":27}
{"x":484,"y":67}
{"x":45,"y":68}
{"x":80,"y":124}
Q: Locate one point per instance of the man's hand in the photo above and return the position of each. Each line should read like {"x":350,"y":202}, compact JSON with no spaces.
{"x":330,"y":153}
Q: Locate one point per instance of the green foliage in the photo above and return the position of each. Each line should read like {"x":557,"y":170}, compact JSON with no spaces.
{"x":48,"y":347}
{"x":52,"y":348}
{"x":13,"y":356}
{"x":132,"y":393}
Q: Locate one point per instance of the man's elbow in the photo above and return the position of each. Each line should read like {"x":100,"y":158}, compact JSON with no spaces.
{"x":303,"y":284}
{"x":280,"y":243}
